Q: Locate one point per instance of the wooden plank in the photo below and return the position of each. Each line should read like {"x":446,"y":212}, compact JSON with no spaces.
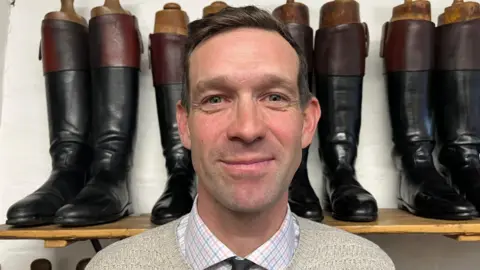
{"x":389,"y":221}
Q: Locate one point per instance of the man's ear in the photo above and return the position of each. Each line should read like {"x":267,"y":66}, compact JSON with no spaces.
{"x":311,"y":115}
{"x":182,"y":121}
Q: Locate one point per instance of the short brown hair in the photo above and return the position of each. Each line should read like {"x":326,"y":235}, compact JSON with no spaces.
{"x":239,"y":17}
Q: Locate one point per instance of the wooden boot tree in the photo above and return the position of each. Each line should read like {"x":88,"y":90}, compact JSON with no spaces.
{"x":459,"y":11}
{"x":109,"y":7}
{"x":412,"y":10}
{"x":339,"y":12}
{"x":66,"y":13}
{"x":172,"y":19}
{"x":214,"y":8}
{"x":292,"y":12}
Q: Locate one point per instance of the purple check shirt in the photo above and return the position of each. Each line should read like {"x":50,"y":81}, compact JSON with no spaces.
{"x":202,"y":250}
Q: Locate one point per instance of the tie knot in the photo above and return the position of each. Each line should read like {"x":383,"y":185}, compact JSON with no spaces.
{"x":240,"y":263}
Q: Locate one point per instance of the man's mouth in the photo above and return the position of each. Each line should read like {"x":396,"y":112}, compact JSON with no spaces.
{"x":247,"y":165}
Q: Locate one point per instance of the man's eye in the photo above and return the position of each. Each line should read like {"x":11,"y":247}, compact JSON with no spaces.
{"x":214,"y":99}
{"x":275,"y":97}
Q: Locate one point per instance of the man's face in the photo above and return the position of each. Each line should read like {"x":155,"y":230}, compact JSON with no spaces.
{"x":245,"y":128}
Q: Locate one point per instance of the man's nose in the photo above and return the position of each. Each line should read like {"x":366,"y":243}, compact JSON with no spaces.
{"x":248,"y":124}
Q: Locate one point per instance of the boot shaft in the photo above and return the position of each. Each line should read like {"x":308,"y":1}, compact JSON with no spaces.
{"x":408,"y":52}
{"x":115,"y":48}
{"x":64,"y":54}
{"x":457,"y":76}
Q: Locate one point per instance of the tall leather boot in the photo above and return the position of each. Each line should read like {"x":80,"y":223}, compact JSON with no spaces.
{"x":408,"y":52}
{"x":167,"y":45}
{"x":64,"y":53}
{"x":457,"y":78}
{"x":302,"y":198}
{"x":115,"y":48}
{"x":341,"y":46}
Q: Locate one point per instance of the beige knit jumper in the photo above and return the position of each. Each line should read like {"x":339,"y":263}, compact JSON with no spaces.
{"x":320,"y":247}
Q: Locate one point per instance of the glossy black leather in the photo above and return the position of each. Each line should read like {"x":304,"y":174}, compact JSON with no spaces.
{"x":105,"y":198}
{"x":340,"y":98}
{"x":423,"y":190}
{"x":180,"y":189}
{"x":458,"y":110}
{"x":302,"y":198}
{"x":68,"y":101}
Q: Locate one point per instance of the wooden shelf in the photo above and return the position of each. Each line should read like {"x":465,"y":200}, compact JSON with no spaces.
{"x":390,"y":221}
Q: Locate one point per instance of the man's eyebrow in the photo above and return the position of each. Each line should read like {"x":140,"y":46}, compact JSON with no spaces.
{"x":267,"y":81}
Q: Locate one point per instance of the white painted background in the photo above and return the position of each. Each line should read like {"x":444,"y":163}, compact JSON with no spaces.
{"x":25,"y":163}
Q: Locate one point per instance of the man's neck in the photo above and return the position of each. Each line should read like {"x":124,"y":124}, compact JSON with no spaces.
{"x":242,"y":233}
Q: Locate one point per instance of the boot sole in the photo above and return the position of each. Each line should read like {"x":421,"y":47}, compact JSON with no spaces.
{"x":447,"y":216}
{"x":29,"y":221}
{"x":349,"y":218}
{"x":82,"y":221}
{"x":355,"y":218}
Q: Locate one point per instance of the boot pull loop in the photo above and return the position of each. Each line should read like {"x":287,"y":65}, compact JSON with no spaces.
{"x":383,"y":39}
{"x":150,"y":53}
{"x":40,"y":50}
{"x":367,"y":38}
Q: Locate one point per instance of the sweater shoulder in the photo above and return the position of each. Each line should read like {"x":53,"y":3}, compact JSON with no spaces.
{"x":337,"y":249}
{"x":147,"y":250}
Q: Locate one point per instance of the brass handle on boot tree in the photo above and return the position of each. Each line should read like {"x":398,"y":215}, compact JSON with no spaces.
{"x":412,"y":10}
{"x":292,"y":12}
{"x":109,"y":7}
{"x":214,"y":8}
{"x":459,"y":11}
{"x":66,"y":13}
{"x":172,"y":19}
{"x":339,"y":12}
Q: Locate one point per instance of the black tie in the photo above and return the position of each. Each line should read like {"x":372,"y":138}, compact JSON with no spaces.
{"x":239,"y":264}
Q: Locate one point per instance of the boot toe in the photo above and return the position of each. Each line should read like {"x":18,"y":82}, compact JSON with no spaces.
{"x":170,"y":207}
{"x":35,"y":209}
{"x":355,"y":204}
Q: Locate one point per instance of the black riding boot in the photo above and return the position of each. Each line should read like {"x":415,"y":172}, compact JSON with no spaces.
{"x":457,"y":79}
{"x":64,"y":52}
{"x":166,"y":46}
{"x":302,"y":198}
{"x":115,"y":49}
{"x":408,"y":52}
{"x":340,"y":52}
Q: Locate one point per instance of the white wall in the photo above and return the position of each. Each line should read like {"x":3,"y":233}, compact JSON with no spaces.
{"x":25,"y":163}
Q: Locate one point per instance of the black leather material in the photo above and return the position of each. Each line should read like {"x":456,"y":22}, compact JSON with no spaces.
{"x":302,"y":198}
{"x":180,"y":189}
{"x":105,"y":198}
{"x":423,"y":190}
{"x":458,"y":118}
{"x":340,"y":98}
{"x":68,"y":101}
